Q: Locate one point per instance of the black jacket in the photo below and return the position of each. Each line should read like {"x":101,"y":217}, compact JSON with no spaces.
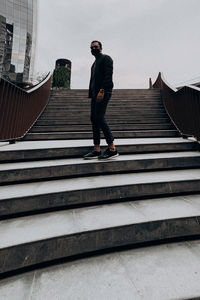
{"x":101,"y":75}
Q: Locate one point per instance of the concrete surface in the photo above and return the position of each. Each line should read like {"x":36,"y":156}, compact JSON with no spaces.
{"x":95,"y":182}
{"x":51,"y":169}
{"x":43,"y":226}
{"x":29,"y":145}
{"x":165,"y":272}
{"x":31,"y":240}
{"x":76,"y":148}
{"x":65,"y":192}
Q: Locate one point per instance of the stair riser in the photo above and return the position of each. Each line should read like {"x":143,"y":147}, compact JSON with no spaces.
{"x":86,"y":118}
{"x":118,"y":101}
{"x":33,"y":174}
{"x":88,"y":135}
{"x":114,"y":94}
{"x":88,"y":128}
{"x":145,"y":102}
{"x":95,"y":196}
{"x":118,"y":96}
{"x":23,"y":155}
{"x":75,"y":108}
{"x":69,"y":245}
{"x":113,"y":101}
{"x":86,"y":115}
{"x":112,"y":121}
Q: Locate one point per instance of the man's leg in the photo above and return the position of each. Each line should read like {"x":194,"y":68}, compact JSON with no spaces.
{"x":96,"y":133}
{"x":95,"y":126}
{"x":100,"y":112}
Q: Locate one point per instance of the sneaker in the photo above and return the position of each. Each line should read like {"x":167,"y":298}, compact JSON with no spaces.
{"x":92,"y":155}
{"x":109,"y":154}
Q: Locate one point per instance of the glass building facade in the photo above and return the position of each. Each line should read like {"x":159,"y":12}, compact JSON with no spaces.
{"x":18,"y":20}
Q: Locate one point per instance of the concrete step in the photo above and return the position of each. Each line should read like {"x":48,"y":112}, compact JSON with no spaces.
{"x":118,"y":113}
{"x":79,"y":103}
{"x":32,"y":240}
{"x":33,"y":150}
{"x":86,"y":118}
{"x":134,"y":120}
{"x":115,"y":92}
{"x":36,"y":196}
{"x":88,"y":135}
{"x":115,"y":273}
{"x":86,"y":114}
{"x":114,"y":100}
{"x":83,"y":107}
{"x":136,"y":91}
{"x":88,"y":127}
{"x":66,"y":168}
{"x":147,"y":273}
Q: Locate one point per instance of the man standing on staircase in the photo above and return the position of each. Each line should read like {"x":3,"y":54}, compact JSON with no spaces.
{"x":100,"y":92}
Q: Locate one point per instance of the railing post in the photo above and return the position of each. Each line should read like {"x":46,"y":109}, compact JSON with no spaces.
{"x":12,"y":142}
{"x":150,"y":84}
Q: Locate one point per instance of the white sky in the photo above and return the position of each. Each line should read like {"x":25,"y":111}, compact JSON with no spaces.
{"x":142,"y":36}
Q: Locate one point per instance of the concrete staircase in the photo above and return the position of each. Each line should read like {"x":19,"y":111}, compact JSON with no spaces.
{"x":55,"y":205}
{"x":131,"y":113}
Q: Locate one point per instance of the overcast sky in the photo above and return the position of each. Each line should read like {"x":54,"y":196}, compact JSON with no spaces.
{"x":142,"y":36}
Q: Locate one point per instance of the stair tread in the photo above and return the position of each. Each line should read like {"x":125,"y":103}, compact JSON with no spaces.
{"x":154,"y":130}
{"x":43,"y":144}
{"x":143,"y":195}
{"x":96,"y":182}
{"x":47,"y":226}
{"x":157,"y":267}
{"x":81,"y":161}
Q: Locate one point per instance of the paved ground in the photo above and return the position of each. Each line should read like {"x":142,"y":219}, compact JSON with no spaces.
{"x":170,"y":271}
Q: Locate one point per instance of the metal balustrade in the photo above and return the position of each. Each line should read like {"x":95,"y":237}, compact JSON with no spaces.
{"x":19,"y":108}
{"x":182,"y":106}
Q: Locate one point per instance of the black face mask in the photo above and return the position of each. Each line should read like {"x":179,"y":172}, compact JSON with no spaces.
{"x":95,"y":52}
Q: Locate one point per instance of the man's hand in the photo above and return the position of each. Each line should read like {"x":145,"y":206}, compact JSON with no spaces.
{"x":100,"y":96}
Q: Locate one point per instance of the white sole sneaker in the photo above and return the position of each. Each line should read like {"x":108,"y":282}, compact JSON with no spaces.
{"x":88,"y":158}
{"x":111,"y":157}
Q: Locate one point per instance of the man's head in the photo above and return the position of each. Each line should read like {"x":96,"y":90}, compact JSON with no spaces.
{"x":96,"y":48}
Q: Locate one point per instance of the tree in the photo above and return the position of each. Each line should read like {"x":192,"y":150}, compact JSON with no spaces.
{"x":61,"y":77}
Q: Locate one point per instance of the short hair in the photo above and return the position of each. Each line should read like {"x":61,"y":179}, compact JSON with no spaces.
{"x":100,"y":44}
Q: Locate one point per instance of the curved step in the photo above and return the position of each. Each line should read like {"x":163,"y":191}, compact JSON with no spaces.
{"x":147,"y":273}
{"x":78,"y":127}
{"x":51,"y":169}
{"x":110,"y":115}
{"x":88,"y":135}
{"x":30,"y":197}
{"x":32,"y":240}
{"x":110,"y":121}
{"x":31,"y":150}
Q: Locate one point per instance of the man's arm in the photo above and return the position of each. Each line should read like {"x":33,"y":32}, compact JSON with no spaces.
{"x":90,"y":84}
{"x":108,"y":72}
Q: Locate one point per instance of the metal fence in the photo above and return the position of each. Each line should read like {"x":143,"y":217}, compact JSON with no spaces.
{"x":19,"y":109}
{"x":182,"y":106}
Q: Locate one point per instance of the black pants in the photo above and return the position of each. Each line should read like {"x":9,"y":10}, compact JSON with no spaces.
{"x":98,"y":111}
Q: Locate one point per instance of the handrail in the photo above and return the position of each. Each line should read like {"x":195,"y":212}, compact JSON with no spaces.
{"x":182,"y":106}
{"x":20,"y":109}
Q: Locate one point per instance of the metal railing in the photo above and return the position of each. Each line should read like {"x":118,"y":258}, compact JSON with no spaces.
{"x":182,"y":106}
{"x":19,"y":109}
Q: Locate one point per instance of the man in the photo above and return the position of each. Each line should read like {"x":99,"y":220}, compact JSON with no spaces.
{"x":100,"y":92}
